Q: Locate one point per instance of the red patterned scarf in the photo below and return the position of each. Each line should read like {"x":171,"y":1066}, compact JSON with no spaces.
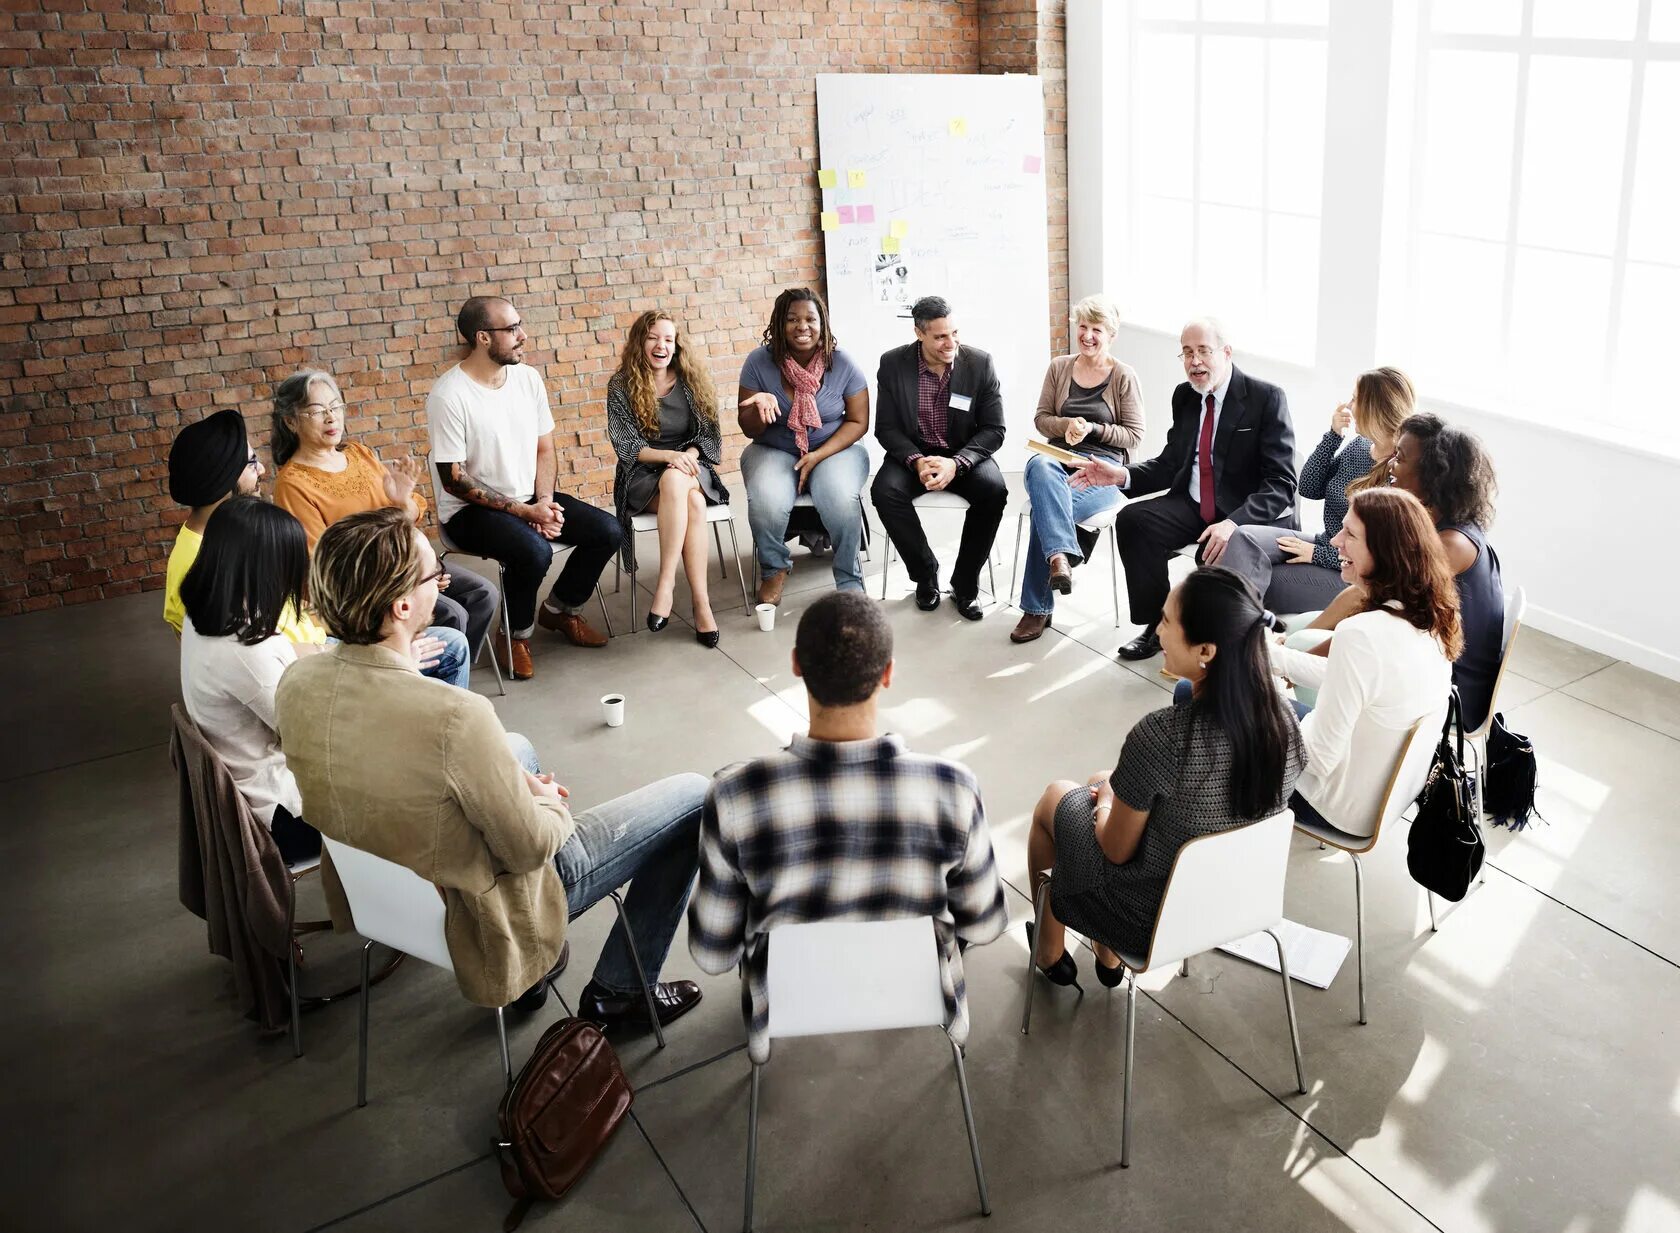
{"x":804,"y":380}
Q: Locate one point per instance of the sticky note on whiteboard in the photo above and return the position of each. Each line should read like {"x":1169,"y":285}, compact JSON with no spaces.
{"x":959,"y":126}
{"x":898,"y":230}
{"x":890,"y":244}
{"x":847,"y":214}
{"x":830,"y":220}
{"x":827,"y":177}
{"x":1032,"y":164}
{"x":856,"y":179}
{"x":866,"y":214}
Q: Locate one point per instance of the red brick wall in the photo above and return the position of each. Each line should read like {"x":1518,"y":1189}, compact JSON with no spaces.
{"x":200,"y":197}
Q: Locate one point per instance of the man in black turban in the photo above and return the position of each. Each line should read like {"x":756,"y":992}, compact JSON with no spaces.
{"x":209,"y":462}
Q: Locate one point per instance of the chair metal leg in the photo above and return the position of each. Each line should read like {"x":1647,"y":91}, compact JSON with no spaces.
{"x":723,"y":563}
{"x":1184,"y":966}
{"x":641,"y":975}
{"x":292,"y":981}
{"x":968,"y":1121}
{"x":501,"y":1039}
{"x":1429,"y":898}
{"x":602,"y":600}
{"x":1114,"y":576}
{"x":886,"y":568}
{"x":1015,"y":573}
{"x":740,"y":571}
{"x":752,"y":1148}
{"x":362,"y":1038}
{"x":1289,"y":1007}
{"x":1359,"y":928}
{"x":1039,"y":900}
{"x":1126,"y":1094}
{"x":991,"y":577}
{"x":633,"y":625}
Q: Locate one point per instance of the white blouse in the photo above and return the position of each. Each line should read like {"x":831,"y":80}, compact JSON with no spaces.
{"x":229,"y":692}
{"x":1382,"y":675}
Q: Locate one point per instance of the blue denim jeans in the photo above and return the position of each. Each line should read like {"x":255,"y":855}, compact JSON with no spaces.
{"x":454,"y":666}
{"x":650,"y":838}
{"x":836,"y":486}
{"x":1184,"y":691}
{"x":1057,"y":508}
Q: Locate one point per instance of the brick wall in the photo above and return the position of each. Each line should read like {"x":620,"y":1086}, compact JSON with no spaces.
{"x":199,"y":197}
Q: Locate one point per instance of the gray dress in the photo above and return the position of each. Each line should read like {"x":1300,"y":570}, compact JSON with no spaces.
{"x":676,"y":431}
{"x":1176,"y":765}
{"x":636,"y":484}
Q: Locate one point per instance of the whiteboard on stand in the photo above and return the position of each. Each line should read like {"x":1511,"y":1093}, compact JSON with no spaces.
{"x":933,"y":184}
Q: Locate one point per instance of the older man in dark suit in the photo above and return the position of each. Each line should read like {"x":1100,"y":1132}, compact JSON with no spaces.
{"x":1229,"y":462}
{"x":940,"y":421}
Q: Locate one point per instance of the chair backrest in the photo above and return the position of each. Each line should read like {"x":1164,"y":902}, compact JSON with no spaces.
{"x":1516,"y":605}
{"x":854,"y":976}
{"x":1411,"y":769}
{"x":1223,"y":887}
{"x":391,"y":904}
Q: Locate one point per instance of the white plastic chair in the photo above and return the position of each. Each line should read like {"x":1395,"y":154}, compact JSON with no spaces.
{"x":1405,"y":781}
{"x":1099,"y":522}
{"x":828,"y":977}
{"x":942,"y":500}
{"x":1516,"y":606}
{"x":715,"y":514}
{"x":1222,"y":887}
{"x":450,"y":548}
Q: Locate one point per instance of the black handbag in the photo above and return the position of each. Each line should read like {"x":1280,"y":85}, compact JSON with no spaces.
{"x":1510,"y":777}
{"x":1444,"y":852}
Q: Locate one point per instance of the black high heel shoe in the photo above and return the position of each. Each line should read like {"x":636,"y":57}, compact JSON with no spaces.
{"x":656,"y":623}
{"x":708,"y":638}
{"x":1110,"y":978}
{"x":1063,"y":972}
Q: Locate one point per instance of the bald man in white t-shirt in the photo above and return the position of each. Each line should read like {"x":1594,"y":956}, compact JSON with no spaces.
{"x":493,"y":446}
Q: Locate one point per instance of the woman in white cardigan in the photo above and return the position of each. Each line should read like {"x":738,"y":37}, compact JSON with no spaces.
{"x":1385,"y":668}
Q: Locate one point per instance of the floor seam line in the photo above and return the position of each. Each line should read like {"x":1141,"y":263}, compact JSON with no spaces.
{"x":397,"y":1194}
{"x":49,"y":770}
{"x":1569,"y":907}
{"x":687,"y":1070}
{"x":1603,"y":710}
{"x":666,"y":1169}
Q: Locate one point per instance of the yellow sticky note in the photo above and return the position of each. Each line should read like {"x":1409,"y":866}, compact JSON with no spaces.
{"x":898,"y":231}
{"x":856,"y":179}
{"x":830,"y":219}
{"x":890,"y":244}
{"x":959,"y":126}
{"x":827,"y":177}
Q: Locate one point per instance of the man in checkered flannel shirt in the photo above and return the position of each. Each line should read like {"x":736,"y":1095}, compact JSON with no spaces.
{"x":844,"y":824}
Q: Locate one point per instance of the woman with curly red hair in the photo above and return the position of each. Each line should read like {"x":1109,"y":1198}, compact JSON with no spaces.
{"x":662,"y":418}
{"x":1388,"y":665}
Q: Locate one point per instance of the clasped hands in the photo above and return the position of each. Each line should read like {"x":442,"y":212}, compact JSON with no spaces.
{"x":545,"y":517}
{"x":935,"y":473}
{"x":544,"y":785}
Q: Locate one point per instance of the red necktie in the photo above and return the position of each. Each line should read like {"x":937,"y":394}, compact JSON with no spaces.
{"x":1204,"y":462}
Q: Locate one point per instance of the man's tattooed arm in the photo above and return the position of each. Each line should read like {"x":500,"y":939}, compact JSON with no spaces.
{"x":458,"y":483}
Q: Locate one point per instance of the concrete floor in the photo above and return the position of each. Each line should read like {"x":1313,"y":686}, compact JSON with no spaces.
{"x":1519,"y":1071}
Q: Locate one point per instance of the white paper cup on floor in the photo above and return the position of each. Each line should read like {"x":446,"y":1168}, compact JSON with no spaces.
{"x":766,"y":617}
{"x":612,"y":710}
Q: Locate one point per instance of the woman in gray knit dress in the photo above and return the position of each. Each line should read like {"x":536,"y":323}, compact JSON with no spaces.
{"x":662,"y":419}
{"x":1229,"y":758}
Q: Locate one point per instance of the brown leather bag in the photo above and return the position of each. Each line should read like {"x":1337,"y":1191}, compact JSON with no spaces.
{"x":558,"y":1115}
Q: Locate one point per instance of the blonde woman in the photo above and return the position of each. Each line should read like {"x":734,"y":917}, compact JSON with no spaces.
{"x":662,"y":418}
{"x":1093,"y":404}
{"x":1295,"y":574}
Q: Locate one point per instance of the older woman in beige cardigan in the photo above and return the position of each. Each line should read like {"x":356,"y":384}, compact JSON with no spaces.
{"x":1092,"y":404}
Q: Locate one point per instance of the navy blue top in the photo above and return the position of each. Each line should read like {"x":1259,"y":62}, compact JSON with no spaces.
{"x":1481,"y":610}
{"x":841,"y":380}
{"x":1324,"y":477}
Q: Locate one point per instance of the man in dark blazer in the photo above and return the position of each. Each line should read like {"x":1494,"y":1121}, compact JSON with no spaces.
{"x":1226,"y":422}
{"x":940,"y":420}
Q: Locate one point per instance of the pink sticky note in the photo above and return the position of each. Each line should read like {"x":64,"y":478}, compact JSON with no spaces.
{"x":1031,"y":164}
{"x":866,"y":214}
{"x":847,"y":214}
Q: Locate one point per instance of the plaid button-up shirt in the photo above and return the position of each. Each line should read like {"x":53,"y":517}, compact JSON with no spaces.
{"x":852,"y":830}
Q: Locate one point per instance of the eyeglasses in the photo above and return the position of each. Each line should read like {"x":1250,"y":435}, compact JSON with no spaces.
{"x":516,"y":328}
{"x":437,"y":575}
{"x":252,"y":462}
{"x":315,"y":411}
{"x":1195,"y":353}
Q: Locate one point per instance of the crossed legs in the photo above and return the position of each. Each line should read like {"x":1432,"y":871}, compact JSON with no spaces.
{"x":1051,"y":935}
{"x":680,"y":512}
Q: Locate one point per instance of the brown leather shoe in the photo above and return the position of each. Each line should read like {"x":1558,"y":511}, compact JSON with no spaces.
{"x":1061,"y":574}
{"x":519,"y":665}
{"x":770,"y":587}
{"x":1030,"y":628}
{"x":572,"y":627}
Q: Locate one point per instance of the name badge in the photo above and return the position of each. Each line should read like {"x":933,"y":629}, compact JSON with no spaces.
{"x":961,"y":402}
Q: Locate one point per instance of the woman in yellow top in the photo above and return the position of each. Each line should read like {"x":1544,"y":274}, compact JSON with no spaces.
{"x":324,"y":477}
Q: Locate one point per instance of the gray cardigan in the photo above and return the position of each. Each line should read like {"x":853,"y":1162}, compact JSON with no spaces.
{"x":625,"y":432}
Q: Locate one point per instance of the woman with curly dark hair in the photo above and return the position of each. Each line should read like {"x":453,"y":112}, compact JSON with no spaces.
{"x":662,"y":418}
{"x":805,"y":405}
{"x":1389,"y":664}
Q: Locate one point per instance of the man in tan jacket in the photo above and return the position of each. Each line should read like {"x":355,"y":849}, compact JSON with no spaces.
{"x":424,"y":775}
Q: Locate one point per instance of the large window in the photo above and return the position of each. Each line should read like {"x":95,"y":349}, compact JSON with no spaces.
{"x":1482,"y":191}
{"x":1223,"y":191}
